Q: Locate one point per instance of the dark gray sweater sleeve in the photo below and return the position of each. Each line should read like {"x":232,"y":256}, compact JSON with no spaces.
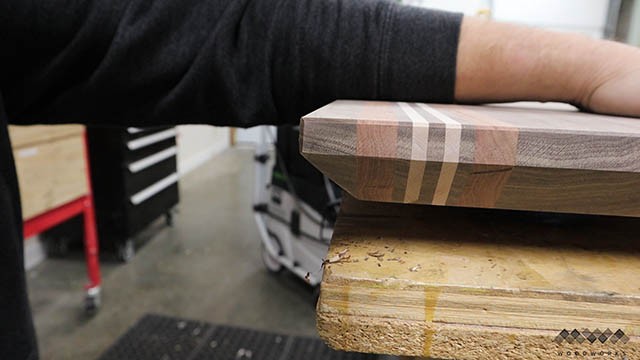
{"x":219,"y":62}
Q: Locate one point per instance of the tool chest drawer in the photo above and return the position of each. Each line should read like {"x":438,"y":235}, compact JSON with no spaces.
{"x":141,"y":212}
{"x":143,"y":138}
{"x":134,"y":173}
{"x":147,"y":155}
{"x":139,"y":180}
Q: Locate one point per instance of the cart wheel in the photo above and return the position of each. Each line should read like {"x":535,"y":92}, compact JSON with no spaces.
{"x":92,"y":303}
{"x":271,"y":263}
{"x":168,"y":218}
{"x":125,"y":251}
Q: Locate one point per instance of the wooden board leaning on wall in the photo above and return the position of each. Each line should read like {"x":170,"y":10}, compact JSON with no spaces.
{"x":478,"y":156}
{"x":50,"y":163}
{"x":456,"y":283}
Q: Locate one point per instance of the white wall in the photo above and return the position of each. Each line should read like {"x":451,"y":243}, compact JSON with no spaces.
{"x":583,"y":16}
{"x":468,"y":7}
{"x":254,"y":135}
{"x":34,"y":252}
{"x":199,"y":143}
{"x":634,"y":28}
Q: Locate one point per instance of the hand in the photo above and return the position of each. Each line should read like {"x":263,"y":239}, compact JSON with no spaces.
{"x":619,"y":94}
{"x":503,"y":62}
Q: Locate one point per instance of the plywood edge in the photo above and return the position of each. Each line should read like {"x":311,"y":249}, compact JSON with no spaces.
{"x":453,"y":341}
{"x":396,"y":284}
{"x":439,"y":305}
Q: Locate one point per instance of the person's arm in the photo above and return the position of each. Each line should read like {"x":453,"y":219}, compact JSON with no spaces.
{"x":250,"y":62}
{"x":503,"y":62}
{"x":220,"y":62}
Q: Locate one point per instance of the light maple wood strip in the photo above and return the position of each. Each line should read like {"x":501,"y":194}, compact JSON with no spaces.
{"x":458,"y":283}
{"x":478,"y":156}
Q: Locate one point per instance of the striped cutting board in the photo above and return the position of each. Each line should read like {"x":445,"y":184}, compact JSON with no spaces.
{"x":523,"y":158}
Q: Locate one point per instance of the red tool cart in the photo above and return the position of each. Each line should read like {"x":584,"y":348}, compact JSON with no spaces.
{"x":42,"y":179}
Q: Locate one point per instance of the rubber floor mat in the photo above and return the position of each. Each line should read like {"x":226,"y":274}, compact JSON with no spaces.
{"x":156,"y":337}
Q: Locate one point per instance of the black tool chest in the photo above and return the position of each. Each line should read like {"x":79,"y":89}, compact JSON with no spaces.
{"x":135,"y":181}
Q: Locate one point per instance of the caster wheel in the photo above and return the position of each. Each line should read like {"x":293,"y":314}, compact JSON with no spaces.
{"x":168,"y":219}
{"x":125,"y":251}
{"x":92,"y":303}
{"x":271,"y":263}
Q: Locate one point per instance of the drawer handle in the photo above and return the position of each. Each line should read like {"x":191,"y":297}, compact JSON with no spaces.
{"x":151,"y":139}
{"x":145,"y":194}
{"x":150,"y":160}
{"x":134,"y":130}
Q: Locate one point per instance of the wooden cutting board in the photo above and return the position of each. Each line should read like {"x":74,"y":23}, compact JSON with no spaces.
{"x":478,"y":156}
{"x":454,"y":283}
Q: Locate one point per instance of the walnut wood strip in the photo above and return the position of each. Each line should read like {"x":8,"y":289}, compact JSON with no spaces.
{"x":478,"y":156}
{"x":373,"y":144}
{"x":485,"y":184}
{"x":458,"y":283}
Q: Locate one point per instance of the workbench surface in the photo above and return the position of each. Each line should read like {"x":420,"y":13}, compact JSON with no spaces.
{"x":456,"y":283}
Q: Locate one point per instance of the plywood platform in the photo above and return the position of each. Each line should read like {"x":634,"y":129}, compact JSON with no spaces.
{"x":478,"y":156}
{"x":455,"y":283}
{"x":50,"y":164}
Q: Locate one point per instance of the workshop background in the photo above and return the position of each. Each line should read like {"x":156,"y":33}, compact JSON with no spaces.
{"x":182,"y":215}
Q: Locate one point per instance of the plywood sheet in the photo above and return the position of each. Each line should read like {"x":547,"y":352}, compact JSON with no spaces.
{"x":50,"y":174}
{"x":455,"y":283}
{"x":22,"y":136}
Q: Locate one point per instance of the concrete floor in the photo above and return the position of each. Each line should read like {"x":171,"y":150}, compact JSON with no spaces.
{"x":207,"y":267}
